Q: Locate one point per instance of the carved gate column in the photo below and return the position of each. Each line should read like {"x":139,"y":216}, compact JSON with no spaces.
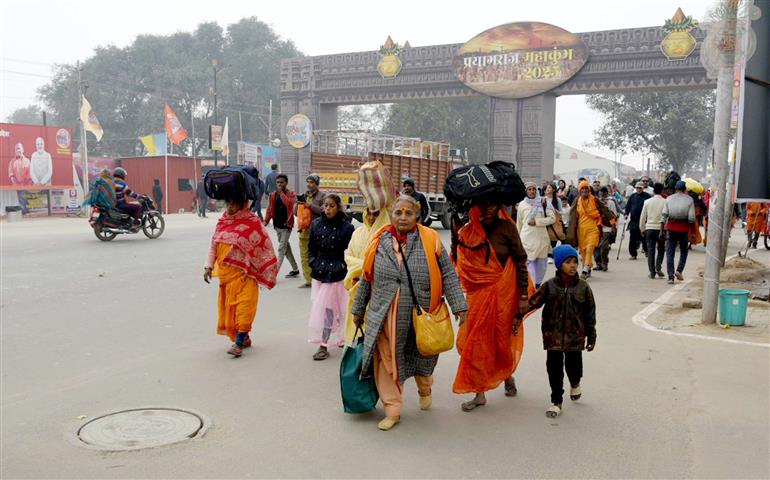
{"x":522,"y":132}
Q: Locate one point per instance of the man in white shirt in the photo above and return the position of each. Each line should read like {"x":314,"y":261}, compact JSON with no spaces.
{"x":651,"y":225}
{"x":41,"y":168}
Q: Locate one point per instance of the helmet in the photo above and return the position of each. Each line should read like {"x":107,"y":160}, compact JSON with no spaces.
{"x":120,"y":173}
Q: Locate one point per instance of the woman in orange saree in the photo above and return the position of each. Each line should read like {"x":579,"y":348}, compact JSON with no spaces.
{"x":242,"y":256}
{"x":491,"y":264}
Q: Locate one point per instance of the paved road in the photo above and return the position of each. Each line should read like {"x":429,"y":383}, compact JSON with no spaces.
{"x":90,"y":327}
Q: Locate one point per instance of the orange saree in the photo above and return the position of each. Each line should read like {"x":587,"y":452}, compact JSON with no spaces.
{"x":489,"y":352}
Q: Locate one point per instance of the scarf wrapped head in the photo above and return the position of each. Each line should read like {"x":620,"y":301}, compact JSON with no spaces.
{"x":535,"y":203}
{"x":252,"y":251}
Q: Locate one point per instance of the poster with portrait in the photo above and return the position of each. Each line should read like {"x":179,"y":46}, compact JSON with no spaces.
{"x":35,"y":158}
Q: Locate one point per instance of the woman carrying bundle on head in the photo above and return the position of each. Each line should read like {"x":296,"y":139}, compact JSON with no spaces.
{"x":492,"y":266}
{"x":242,"y":256}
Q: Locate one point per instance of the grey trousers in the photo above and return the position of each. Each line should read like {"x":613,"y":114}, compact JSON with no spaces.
{"x":284,"y":248}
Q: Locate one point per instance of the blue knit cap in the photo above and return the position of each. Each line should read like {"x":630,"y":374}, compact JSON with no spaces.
{"x":680,"y":185}
{"x":563,"y":252}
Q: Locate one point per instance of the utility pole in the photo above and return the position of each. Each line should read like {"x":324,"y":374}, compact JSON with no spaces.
{"x":270,"y":124}
{"x":216,"y":116}
{"x":715,"y":235}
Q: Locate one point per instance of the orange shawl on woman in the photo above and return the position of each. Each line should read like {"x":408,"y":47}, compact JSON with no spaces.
{"x":489,"y":352}
{"x":431,"y":242}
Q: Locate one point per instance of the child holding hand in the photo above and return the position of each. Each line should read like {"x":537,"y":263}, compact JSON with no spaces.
{"x":569,"y":325}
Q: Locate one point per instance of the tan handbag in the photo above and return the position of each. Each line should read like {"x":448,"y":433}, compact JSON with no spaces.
{"x":433,"y":330}
{"x":555,"y":230}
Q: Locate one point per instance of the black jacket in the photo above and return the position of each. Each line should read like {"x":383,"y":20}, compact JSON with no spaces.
{"x":634,"y":208}
{"x":326,"y":252}
{"x":569,"y":313}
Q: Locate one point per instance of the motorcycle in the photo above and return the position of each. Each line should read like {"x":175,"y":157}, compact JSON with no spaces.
{"x":107,"y":224}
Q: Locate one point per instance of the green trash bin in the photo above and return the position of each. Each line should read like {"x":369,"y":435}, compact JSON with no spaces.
{"x":732,"y":306}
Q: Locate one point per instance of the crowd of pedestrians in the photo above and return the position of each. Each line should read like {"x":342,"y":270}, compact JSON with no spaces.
{"x":382,"y":277}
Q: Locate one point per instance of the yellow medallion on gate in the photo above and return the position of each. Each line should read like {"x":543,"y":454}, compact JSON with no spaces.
{"x":390,"y":64}
{"x":679,"y":43}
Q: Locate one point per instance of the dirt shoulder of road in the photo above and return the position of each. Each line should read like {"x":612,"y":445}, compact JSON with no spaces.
{"x":681,"y":313}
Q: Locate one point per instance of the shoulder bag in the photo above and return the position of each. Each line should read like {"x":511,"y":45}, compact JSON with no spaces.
{"x":556,"y":229}
{"x":433,"y":330}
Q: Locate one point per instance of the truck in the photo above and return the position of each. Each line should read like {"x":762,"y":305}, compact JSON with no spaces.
{"x":337,"y":155}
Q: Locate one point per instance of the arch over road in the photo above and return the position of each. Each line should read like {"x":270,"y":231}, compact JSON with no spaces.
{"x":521,"y":130}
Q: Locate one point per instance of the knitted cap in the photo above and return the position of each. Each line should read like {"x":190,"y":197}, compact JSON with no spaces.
{"x":563,"y":252}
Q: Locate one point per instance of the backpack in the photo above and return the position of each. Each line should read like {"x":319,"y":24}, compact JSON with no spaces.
{"x":471,"y":182}
{"x":239,"y":181}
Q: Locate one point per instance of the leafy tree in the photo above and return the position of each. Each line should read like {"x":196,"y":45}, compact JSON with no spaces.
{"x":127,"y":87}
{"x":672,"y":125}
{"x":463,"y":123}
{"x":363,"y":117}
{"x":30,"y":115}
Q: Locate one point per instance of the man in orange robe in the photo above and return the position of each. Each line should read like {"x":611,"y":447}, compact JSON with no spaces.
{"x":586,"y":219}
{"x":756,"y":221}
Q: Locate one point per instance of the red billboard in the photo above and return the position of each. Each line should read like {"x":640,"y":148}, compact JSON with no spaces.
{"x":33,"y":157}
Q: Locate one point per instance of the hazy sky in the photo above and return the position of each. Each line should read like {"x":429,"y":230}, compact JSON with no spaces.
{"x":34,"y":34}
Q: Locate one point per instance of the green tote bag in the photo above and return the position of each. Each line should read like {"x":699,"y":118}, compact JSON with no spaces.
{"x":358,"y":396}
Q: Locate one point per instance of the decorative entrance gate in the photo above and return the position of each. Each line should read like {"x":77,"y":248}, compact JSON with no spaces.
{"x":520,"y":130}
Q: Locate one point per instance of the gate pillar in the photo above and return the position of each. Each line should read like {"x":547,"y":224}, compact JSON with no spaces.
{"x":522,"y":132}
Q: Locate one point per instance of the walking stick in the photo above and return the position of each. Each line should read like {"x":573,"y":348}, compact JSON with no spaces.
{"x":622,"y":236}
{"x":749,"y":235}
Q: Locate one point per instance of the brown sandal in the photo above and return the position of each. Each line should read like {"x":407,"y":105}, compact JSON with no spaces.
{"x":235,"y":351}
{"x":321,"y":354}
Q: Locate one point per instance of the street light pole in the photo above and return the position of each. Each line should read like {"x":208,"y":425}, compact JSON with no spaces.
{"x":216,"y":116}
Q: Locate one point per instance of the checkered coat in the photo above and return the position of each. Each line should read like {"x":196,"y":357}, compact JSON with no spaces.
{"x":374,"y":299}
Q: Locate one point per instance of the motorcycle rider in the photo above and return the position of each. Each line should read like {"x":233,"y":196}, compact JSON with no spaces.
{"x":121,"y":190}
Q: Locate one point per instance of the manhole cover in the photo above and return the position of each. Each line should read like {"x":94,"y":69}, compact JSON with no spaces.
{"x":140,"y":428}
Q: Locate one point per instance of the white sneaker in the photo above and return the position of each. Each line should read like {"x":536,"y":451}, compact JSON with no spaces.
{"x":550,"y":261}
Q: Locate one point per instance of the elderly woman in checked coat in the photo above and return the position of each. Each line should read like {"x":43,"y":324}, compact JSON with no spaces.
{"x":390,"y":347}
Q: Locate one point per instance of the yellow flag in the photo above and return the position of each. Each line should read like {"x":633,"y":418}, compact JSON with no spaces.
{"x":90,"y":122}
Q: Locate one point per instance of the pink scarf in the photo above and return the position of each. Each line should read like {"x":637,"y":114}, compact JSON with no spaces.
{"x":252,"y":250}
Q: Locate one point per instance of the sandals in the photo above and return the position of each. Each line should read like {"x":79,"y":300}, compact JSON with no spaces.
{"x":388,"y":422}
{"x":510,"y":388}
{"x":575,"y":393}
{"x":235,"y":350}
{"x":470,"y":405}
{"x":553,"y":411}
{"x":321,"y":354}
{"x":426,"y":402}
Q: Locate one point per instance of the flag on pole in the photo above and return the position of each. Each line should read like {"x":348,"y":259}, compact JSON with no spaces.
{"x":225,"y":140}
{"x":90,"y":122}
{"x":154,"y":144}
{"x":176,"y":133}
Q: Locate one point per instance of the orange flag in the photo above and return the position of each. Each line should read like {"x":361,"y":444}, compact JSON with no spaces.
{"x":174,"y":130}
